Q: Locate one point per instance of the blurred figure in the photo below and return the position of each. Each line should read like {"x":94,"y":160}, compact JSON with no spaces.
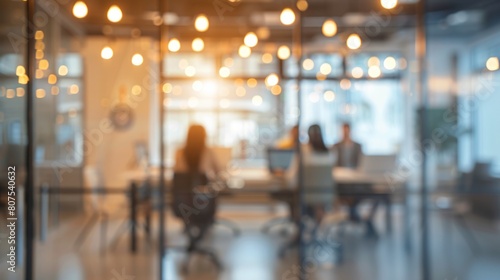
{"x":290,"y":141}
{"x":318,"y":183}
{"x":195,"y":156}
{"x":348,"y":152}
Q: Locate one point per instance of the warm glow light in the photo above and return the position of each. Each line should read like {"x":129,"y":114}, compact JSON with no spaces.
{"x":224,"y":72}
{"x":115,"y":13}
{"x":357,"y":72}
{"x":390,"y":63}
{"x":40,"y":93}
{"x":251,"y":83}
{"x":325,"y":69}
{"x":137,"y":59}
{"x":373,"y":61}
{"x":201,"y":23}
{"x":329,"y":28}
{"x":229,"y":62}
{"x":276,"y":90}
{"x":43,"y":64}
{"x":272,"y":80}
{"x":10,"y":93}
{"x":198,"y":45}
{"x":320,"y":77}
{"x":329,"y":96}
{"x":39,"y":54}
{"x":345,"y":84}
{"x":287,"y":16}
{"x":20,"y":92}
{"x":39,"y":35}
{"x":257,"y":100}
{"x":267,"y":58}
{"x":74,"y":89}
{"x":283,"y":52}
{"x":167,"y":87}
{"x":20,"y":70}
{"x":39,"y":73}
{"x":374,"y":72}
{"x":302,"y":5}
{"x":80,"y":9}
{"x":251,"y":39}
{"x":244,"y":51}
{"x":107,"y":53}
{"x":136,"y":90}
{"x":492,"y":64}
{"x":63,"y":70}
{"x":174,"y":45}
{"x":389,"y":4}
{"x":52,"y":79}
{"x":241,"y":91}
{"x":190,"y":71}
{"x":23,"y":79}
{"x":354,"y":42}
{"x":54,"y":90}
{"x":308,"y":64}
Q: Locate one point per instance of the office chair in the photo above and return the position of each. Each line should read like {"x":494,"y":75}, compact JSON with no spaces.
{"x":319,"y":189}
{"x":197,"y":217}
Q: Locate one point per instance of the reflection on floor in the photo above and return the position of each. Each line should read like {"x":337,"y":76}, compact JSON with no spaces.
{"x":254,"y":255}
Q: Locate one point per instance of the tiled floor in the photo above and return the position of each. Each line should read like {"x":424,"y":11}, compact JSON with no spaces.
{"x":253,"y":255}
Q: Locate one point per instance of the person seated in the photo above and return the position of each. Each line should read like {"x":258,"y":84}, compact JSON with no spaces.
{"x":317,"y":164}
{"x":195,"y":156}
{"x":348,"y":152}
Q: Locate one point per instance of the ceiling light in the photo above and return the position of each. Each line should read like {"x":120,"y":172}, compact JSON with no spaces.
{"x":137,"y":59}
{"x":251,"y":83}
{"x":244,"y":51}
{"x":357,"y":72}
{"x":263,"y":33}
{"x":197,"y":45}
{"x":329,"y":96}
{"x":20,"y":70}
{"x":52,"y":79}
{"x":492,"y":64}
{"x":389,"y":4}
{"x":174,"y":45}
{"x":107,"y":53}
{"x":63,"y":70}
{"x":40,"y":93}
{"x":43,"y":64}
{"x":354,"y":42}
{"x":80,"y":9}
{"x":345,"y":84}
{"x":272,"y":80}
{"x":276,"y":90}
{"x":302,"y":5}
{"x":267,"y":58}
{"x":283,"y":52}
{"x":329,"y":28}
{"x":287,"y":16}
{"x":201,"y":23}
{"x":115,"y":14}
{"x":374,"y":72}
{"x":373,"y":61}
{"x":257,"y":100}
{"x":224,"y":72}
{"x":251,"y":39}
{"x":325,"y":69}
{"x":390,"y":63}
{"x":308,"y":64}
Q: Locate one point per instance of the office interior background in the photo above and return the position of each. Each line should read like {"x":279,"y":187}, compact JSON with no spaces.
{"x":97,"y":96}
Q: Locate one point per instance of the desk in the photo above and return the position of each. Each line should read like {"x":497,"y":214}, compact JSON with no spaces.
{"x":258,"y":180}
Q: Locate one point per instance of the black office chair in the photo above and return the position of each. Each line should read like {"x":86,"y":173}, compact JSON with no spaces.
{"x":187,"y":193}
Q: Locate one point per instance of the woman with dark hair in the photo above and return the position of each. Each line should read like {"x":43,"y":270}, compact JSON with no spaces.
{"x":195,"y":156}
{"x":317,"y":179}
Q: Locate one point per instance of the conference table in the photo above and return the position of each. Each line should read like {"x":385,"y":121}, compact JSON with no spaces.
{"x":257,"y":182}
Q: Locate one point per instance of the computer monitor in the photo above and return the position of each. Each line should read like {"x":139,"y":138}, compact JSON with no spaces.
{"x":378,"y":163}
{"x":279,"y":159}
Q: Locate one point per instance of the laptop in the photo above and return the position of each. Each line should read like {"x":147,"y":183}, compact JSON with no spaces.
{"x":279,"y":160}
{"x":378,"y":163}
